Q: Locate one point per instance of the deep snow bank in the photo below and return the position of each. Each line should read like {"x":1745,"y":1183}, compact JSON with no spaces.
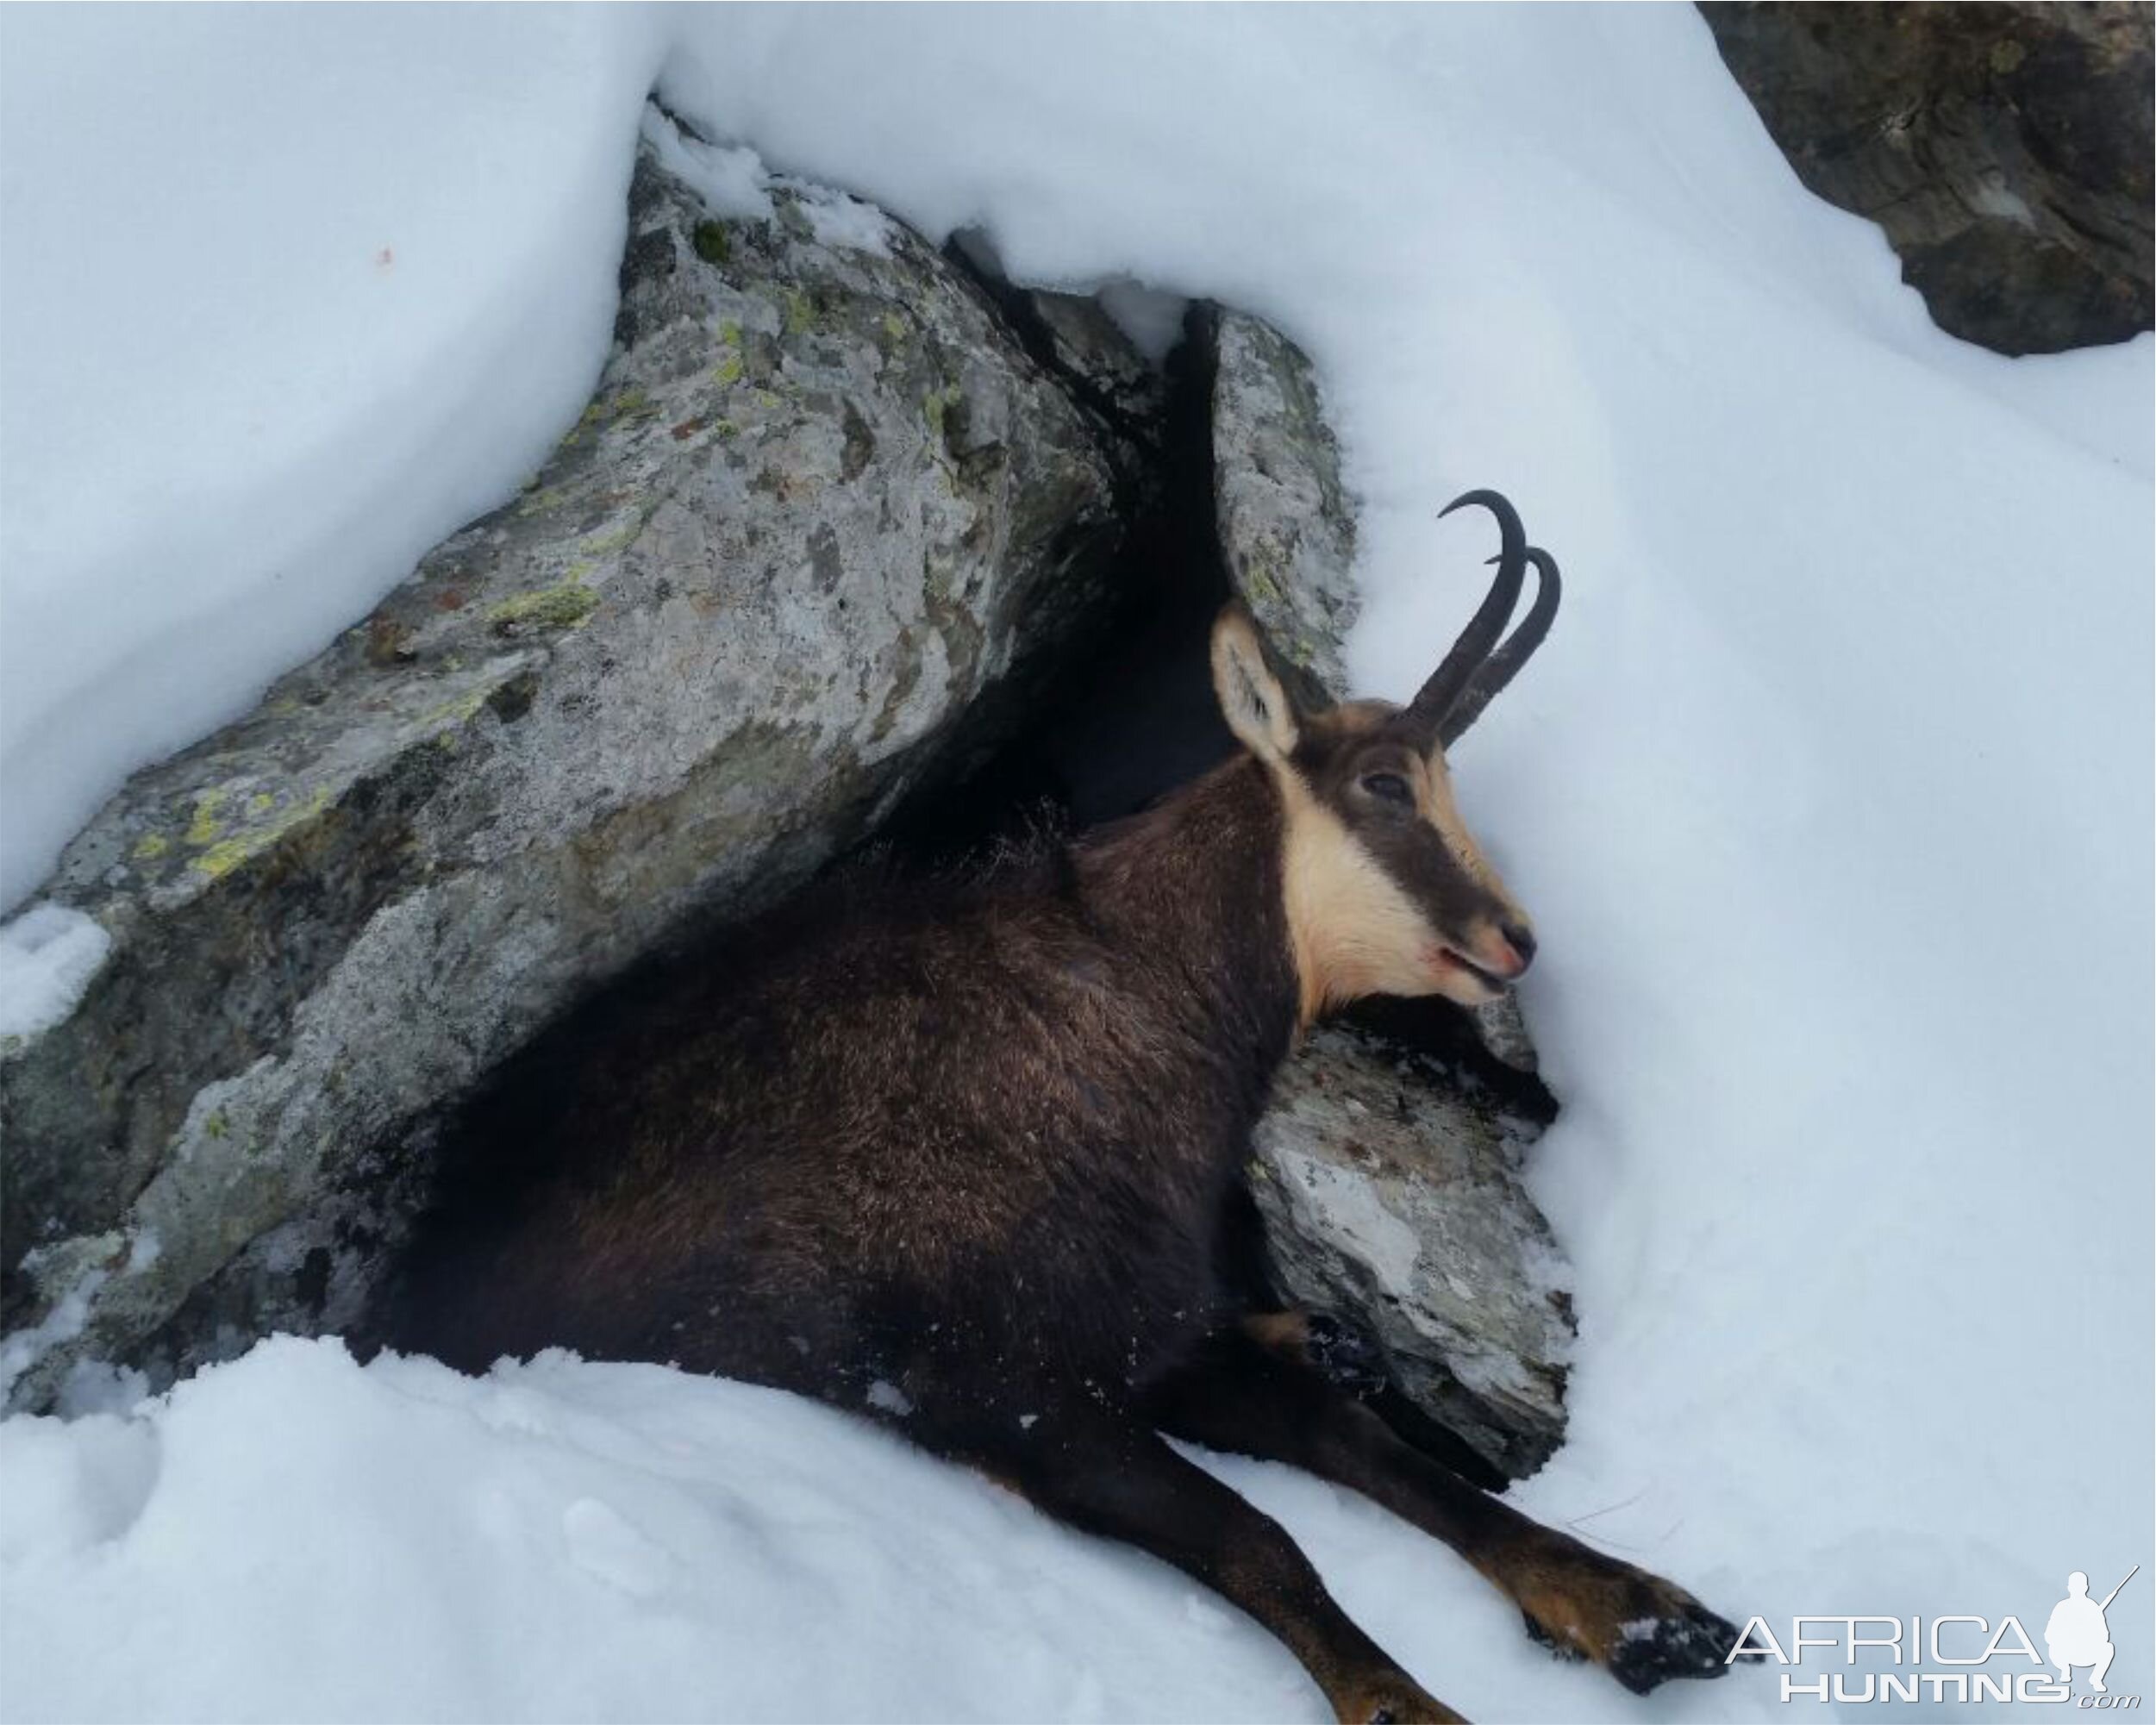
{"x":287,"y":296}
{"x":289,"y":1537}
{"x":1831,"y":794}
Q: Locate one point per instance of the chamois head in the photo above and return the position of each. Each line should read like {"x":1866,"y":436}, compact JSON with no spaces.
{"x":1387,"y":893}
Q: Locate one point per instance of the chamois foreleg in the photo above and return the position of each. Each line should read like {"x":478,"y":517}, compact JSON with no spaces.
{"x":1344,"y":1356}
{"x":1246,"y":1396}
{"x":1110,"y":1475}
{"x":1349,"y":1359}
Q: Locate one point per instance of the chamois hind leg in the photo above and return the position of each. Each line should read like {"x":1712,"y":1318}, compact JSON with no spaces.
{"x":1244,"y":1397}
{"x":1110,"y":1475}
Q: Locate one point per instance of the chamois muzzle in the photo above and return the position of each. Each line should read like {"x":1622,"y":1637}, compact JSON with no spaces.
{"x":1477,"y":666}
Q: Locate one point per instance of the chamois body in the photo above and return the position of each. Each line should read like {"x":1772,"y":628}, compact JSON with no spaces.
{"x":959,"y":1157}
{"x":970,"y":1140}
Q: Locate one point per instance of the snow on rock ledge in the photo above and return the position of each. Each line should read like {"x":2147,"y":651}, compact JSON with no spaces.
{"x":47,"y":956}
{"x":821,"y":502}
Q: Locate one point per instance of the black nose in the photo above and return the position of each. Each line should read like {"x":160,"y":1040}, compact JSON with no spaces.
{"x":1521,"y":941}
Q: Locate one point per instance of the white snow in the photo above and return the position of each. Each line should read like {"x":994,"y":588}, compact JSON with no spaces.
{"x":289,"y":296}
{"x":888,"y":1399}
{"x":1831,"y":794}
{"x":291,"y":1537}
{"x":729,"y":177}
{"x":48,"y":957}
{"x":1153,"y":320}
{"x":835,"y":219}
{"x":22,"y":1348}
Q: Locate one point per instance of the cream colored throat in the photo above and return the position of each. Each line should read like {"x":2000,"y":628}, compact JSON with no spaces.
{"x":1352,"y":931}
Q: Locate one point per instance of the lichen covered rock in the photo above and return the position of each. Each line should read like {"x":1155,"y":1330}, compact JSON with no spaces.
{"x":1287,"y":527}
{"x":821,"y":501}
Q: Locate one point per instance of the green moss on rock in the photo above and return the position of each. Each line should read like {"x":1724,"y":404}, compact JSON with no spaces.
{"x":711,"y":242}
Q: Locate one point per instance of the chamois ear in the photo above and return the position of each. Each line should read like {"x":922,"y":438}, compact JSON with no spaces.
{"x":1252,"y":699}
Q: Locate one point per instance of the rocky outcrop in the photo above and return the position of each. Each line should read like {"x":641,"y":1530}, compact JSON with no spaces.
{"x":1388,"y":1180}
{"x":2005,"y":148}
{"x":822,"y":503}
{"x":1287,"y":531}
{"x":839,"y":509}
{"x":1391,"y":1192}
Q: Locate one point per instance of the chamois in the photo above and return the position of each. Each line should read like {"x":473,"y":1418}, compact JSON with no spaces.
{"x":958,"y":1158}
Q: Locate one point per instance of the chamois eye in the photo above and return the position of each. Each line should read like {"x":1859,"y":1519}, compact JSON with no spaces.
{"x":1388,"y":787}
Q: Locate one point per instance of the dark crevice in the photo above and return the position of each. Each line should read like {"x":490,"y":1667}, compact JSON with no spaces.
{"x":1018,"y":308}
{"x":1130,"y":716}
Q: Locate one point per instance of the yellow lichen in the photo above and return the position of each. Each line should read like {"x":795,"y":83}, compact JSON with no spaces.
{"x":205,"y":826}
{"x":151,"y":847}
{"x":614,"y":539}
{"x":226,"y":854}
{"x":728,"y":370}
{"x":221,"y":859}
{"x":459,"y":709}
{"x":562,"y":606}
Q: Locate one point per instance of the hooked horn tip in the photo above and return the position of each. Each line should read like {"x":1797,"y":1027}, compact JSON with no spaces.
{"x":1509,"y":525}
{"x":1464,"y":498}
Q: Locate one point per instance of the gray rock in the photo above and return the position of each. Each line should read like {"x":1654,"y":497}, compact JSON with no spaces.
{"x":1388,"y":1182}
{"x":1287,"y":528}
{"x":1390,"y":1195}
{"x":820,"y":502}
{"x":2008,"y":151}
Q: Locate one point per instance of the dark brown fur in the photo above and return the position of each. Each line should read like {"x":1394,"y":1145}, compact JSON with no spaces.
{"x":973,"y":1141}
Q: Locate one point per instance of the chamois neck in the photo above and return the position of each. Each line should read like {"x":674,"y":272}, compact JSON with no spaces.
{"x":1194,"y":884}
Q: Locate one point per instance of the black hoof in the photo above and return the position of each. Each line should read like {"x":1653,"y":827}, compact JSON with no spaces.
{"x":1348,"y":1358}
{"x":1691,"y":1642}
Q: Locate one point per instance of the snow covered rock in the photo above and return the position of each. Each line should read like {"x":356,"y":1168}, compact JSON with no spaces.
{"x":1389,"y":1182}
{"x":821,"y":501}
{"x":2005,"y":149}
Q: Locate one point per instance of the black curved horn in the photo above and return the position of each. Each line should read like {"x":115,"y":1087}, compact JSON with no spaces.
{"x":1502,"y":665}
{"x":1427,"y":715}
